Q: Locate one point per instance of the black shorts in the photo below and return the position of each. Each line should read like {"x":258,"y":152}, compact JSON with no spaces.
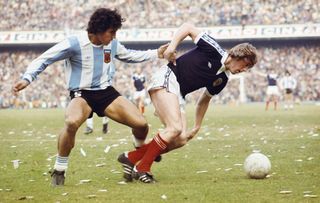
{"x":98,"y":100}
{"x":288,"y":91}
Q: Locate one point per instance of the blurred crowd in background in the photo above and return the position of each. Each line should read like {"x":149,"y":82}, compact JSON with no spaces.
{"x":49,"y":90}
{"x":61,"y":15}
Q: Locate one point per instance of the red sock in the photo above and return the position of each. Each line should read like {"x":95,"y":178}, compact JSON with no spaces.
{"x":136,"y":155}
{"x":156,"y":147}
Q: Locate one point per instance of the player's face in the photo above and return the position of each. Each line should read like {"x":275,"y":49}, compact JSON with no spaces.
{"x":237,"y":66}
{"x":106,"y":37}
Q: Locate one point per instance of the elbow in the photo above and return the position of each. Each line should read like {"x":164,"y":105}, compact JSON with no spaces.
{"x":188,"y":26}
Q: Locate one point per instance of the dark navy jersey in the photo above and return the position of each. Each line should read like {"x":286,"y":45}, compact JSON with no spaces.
{"x":138,"y":81}
{"x":272,"y":79}
{"x":200,"y":67}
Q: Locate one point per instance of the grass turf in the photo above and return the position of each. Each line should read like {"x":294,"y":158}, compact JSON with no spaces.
{"x":207,"y":169}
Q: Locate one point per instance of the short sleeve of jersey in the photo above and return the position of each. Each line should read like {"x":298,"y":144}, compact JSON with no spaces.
{"x":217,"y":86}
{"x":208,"y":44}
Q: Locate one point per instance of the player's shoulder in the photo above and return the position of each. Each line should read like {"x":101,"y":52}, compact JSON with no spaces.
{"x":79,"y":39}
{"x":207,"y":41}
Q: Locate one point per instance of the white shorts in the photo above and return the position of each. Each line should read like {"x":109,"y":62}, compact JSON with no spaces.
{"x":273,"y":90}
{"x":138,"y":94}
{"x":165,"y":78}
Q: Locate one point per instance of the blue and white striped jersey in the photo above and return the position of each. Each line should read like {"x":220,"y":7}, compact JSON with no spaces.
{"x":88,"y":66}
{"x":288,"y":82}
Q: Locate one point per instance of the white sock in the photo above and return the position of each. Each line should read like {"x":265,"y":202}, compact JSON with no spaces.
{"x":137,"y":142}
{"x":90,"y":122}
{"x":61,"y":163}
{"x":105,"y":120}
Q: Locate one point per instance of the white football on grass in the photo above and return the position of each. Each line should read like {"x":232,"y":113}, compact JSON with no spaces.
{"x":257,"y":166}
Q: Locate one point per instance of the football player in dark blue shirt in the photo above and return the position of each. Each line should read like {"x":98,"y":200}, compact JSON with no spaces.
{"x":207,"y":65}
{"x":139,"y":95}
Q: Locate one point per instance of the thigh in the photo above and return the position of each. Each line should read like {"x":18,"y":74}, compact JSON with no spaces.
{"x":125,"y":112}
{"x":77,"y":111}
{"x":167,"y":106}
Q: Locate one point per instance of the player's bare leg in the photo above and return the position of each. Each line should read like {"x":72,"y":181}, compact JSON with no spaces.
{"x":141,"y":104}
{"x":123,"y":111}
{"x":267,"y":102}
{"x":76,"y":113}
{"x":275,"y":100}
{"x":169,"y":112}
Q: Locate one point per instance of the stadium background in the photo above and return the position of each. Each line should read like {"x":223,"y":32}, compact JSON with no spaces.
{"x":286,"y":33}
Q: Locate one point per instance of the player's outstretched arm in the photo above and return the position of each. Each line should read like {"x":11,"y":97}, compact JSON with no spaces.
{"x":184,"y":30}
{"x":201,"y":109}
{"x":20,"y":85}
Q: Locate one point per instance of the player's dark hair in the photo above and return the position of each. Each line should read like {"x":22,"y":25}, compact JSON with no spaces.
{"x":103,"y":19}
{"x":245,"y":51}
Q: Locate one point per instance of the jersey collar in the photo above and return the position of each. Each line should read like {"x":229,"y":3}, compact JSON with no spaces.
{"x":223,"y":68}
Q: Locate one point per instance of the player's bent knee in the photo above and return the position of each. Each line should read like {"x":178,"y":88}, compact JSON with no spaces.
{"x":71,"y":125}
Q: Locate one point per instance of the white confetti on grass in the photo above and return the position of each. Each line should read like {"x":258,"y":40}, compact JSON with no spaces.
{"x":99,"y":138}
{"x":25,"y":197}
{"x":107,"y":149}
{"x":100,"y":165}
{"x":285,"y":192}
{"x":84,"y":181}
{"x":91,"y":196}
{"x":122,"y":183}
{"x":310,"y":196}
{"x":103,"y":190}
{"x":16,"y":163}
{"x":204,"y":171}
{"x":83,"y":153}
{"x":164,"y":197}
{"x":64,"y":194}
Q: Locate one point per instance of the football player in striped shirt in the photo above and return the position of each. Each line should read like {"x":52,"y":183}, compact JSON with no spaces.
{"x":207,"y":65}
{"x":89,"y":68}
{"x":288,"y":83}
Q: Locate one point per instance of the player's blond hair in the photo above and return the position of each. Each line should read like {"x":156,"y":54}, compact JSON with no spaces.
{"x":245,"y":51}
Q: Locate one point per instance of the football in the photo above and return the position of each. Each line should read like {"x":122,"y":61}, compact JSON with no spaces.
{"x":257,"y":166}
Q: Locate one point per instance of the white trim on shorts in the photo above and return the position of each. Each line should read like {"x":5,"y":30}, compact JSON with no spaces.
{"x":165,"y":78}
{"x":273,"y":90}
{"x":138,"y":94}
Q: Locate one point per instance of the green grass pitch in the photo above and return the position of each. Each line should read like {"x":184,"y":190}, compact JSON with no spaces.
{"x":208,"y":169}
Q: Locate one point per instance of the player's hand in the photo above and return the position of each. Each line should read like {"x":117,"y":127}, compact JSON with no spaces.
{"x":20,"y":85}
{"x":161,"y":50}
{"x":170,"y":55}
